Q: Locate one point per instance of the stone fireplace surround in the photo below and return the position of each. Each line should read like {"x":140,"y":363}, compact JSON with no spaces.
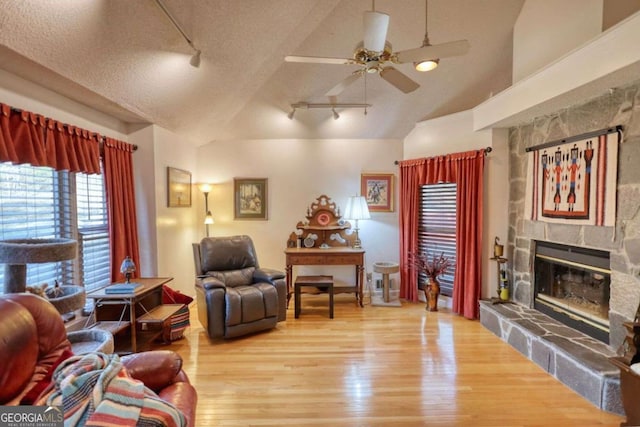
{"x":551,"y":346}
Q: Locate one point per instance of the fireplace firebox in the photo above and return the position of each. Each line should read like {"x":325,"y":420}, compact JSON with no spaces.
{"x":572,"y":285}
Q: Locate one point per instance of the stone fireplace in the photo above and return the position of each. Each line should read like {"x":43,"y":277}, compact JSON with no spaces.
{"x":619,"y":106}
{"x":572,"y":285}
{"x":578,"y":360}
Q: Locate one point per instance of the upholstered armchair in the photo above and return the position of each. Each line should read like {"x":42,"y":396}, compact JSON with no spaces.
{"x":234,"y":295}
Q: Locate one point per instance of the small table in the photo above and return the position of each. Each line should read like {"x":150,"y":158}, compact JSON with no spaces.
{"x":145,"y":315}
{"x":325,"y":282}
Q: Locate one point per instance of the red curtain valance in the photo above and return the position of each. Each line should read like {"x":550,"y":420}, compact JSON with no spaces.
{"x":31,"y":138}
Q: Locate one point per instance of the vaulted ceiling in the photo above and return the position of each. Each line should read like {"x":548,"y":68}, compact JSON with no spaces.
{"x":127,"y":59}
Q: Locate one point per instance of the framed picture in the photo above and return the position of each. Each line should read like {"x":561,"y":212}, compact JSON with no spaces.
{"x":178,"y":188}
{"x":378,"y":190}
{"x":250,"y":198}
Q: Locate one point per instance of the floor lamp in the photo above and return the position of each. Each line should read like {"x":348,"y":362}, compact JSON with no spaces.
{"x":208,"y":219}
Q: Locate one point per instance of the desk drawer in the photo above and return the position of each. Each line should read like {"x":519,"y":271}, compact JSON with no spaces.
{"x":307,"y":259}
{"x":342,"y":259}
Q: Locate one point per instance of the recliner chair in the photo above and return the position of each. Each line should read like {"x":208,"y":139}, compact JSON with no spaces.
{"x":234,"y":295}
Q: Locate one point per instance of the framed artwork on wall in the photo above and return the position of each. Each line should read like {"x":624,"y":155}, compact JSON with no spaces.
{"x":178,"y":188}
{"x":377,"y":188}
{"x":250,"y":198}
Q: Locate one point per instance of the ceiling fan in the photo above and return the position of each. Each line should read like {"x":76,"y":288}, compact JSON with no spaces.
{"x":374,"y":55}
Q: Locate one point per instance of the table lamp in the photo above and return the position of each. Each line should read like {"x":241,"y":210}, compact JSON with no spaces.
{"x":356,"y":210}
{"x":128,"y":267}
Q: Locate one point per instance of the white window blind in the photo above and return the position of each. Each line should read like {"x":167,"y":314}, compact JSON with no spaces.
{"x":38,"y":202}
{"x":437,"y":227}
{"x":93,"y":231}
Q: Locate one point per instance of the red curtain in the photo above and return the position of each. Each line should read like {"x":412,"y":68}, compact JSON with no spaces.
{"x":27,"y":137}
{"x":466,"y":170}
{"x":123,"y":228}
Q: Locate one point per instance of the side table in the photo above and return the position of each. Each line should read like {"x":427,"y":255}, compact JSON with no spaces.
{"x":322,"y":282}
{"x":139,"y":314}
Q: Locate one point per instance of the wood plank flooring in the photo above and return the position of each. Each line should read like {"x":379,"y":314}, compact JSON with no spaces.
{"x":374,"y":366}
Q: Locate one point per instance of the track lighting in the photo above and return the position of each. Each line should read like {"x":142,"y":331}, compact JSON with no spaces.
{"x":336,"y":116}
{"x":195,"y":59}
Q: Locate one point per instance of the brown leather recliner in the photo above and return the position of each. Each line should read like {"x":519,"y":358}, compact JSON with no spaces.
{"x":234,"y":295}
{"x":33,"y":340}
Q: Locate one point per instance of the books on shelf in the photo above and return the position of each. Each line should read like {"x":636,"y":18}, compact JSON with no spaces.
{"x":122,"y":288}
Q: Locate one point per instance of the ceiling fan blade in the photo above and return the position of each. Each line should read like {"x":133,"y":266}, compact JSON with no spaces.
{"x":376,"y":25}
{"x":319,"y":60}
{"x":443,"y":50}
{"x":337,"y":89}
{"x":399,"y":80}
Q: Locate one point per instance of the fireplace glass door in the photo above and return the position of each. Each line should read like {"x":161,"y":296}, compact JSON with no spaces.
{"x":573,"y":285}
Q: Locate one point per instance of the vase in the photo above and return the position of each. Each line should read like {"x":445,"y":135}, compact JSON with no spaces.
{"x":432,"y":292}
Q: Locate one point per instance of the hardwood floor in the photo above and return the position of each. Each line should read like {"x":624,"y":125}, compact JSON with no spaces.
{"x":375,"y":366}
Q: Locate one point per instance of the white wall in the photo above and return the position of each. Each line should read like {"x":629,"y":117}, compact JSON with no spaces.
{"x":298,"y":171}
{"x":175,"y":227}
{"x":452,"y":134}
{"x":548,"y":29}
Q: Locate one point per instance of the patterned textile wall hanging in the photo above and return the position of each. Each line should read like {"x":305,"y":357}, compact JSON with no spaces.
{"x":573,"y":181}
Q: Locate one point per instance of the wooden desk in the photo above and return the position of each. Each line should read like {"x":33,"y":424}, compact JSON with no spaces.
{"x":329,"y":256}
{"x":142,"y":309}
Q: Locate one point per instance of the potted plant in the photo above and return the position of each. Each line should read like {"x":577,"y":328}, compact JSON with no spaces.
{"x":432,"y":266}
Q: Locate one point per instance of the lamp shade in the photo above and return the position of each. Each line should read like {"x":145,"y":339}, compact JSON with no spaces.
{"x":127,"y":266}
{"x":209,"y":218}
{"x":357,"y":208}
{"x":205,"y":187}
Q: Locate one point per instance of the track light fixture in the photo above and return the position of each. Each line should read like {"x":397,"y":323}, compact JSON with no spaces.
{"x":336,"y":116}
{"x":195,"y":59}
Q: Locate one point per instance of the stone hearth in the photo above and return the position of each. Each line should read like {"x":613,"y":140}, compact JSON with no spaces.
{"x":574,"y":358}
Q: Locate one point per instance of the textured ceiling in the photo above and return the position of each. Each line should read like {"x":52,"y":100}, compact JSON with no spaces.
{"x":125,"y":58}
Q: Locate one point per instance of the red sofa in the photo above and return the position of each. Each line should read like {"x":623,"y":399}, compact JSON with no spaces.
{"x":33,"y":340}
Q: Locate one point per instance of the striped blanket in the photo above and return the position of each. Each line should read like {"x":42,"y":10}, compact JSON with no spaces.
{"x":96,"y":390}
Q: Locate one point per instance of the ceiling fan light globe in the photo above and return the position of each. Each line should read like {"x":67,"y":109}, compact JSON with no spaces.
{"x":427,"y":65}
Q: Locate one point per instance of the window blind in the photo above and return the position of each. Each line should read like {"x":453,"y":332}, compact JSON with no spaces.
{"x":38,"y":202}
{"x":437,"y":228}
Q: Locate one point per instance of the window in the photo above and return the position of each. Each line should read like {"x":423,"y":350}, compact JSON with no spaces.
{"x":39,"y":202}
{"x":437,"y":227}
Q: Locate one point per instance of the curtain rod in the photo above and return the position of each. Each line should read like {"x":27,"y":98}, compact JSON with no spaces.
{"x":101,"y":137}
{"x":587,"y":135}
{"x":486,"y":153}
